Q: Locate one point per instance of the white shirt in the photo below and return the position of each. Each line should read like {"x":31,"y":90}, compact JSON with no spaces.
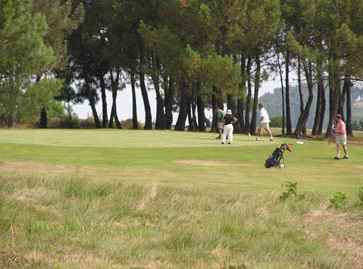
{"x":264,"y":117}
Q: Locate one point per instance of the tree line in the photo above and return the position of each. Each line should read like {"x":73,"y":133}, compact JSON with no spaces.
{"x":194,"y":54}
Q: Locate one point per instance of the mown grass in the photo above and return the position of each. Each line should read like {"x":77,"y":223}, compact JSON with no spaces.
{"x":144,"y":157}
{"x":133,"y":199}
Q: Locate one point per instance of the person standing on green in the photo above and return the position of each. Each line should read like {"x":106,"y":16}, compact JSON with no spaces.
{"x":220,"y":122}
{"x":340,"y":132}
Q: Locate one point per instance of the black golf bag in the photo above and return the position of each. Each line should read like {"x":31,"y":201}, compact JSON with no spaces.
{"x":277,"y":156}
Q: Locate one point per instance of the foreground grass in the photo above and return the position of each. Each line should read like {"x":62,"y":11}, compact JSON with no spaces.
{"x":77,"y":223}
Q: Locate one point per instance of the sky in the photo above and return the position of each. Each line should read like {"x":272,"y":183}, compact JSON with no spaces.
{"x":124,"y":102}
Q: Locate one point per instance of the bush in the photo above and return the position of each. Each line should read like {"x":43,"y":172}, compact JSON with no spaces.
{"x":338,"y":200}
{"x":87,"y":123}
{"x":276,"y":122}
{"x":360,"y":195}
{"x":357,"y":125}
{"x":128,"y":124}
{"x":64,"y":123}
{"x":290,"y":191}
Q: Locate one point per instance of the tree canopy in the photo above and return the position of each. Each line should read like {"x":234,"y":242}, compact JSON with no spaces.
{"x":194,"y":54}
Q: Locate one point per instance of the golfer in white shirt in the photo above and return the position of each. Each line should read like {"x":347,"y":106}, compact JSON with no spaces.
{"x":264,"y":123}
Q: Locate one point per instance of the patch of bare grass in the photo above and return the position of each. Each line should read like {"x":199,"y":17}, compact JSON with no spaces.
{"x":207,"y":163}
{"x":340,"y":231}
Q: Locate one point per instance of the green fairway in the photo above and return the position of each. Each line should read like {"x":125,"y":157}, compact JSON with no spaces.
{"x":135,"y":199}
{"x":194,"y":159}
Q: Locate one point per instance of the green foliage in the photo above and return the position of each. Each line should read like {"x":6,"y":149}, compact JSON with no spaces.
{"x":276,"y":122}
{"x":204,"y":44}
{"x":23,"y":52}
{"x":357,"y":125}
{"x":22,"y":47}
{"x":166,"y":44}
{"x":62,"y":17}
{"x":61,"y":121}
{"x":56,"y":109}
{"x":39,"y":95}
{"x":290,"y":191}
{"x":65,"y":122}
{"x":128,"y":124}
{"x":338,"y":200}
{"x":360,"y":195}
{"x":214,"y":71}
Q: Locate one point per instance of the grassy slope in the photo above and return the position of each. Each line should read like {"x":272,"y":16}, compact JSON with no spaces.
{"x":220,"y":215}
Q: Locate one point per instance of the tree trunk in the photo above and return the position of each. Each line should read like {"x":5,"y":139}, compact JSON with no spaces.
{"x":318,"y":113}
{"x":287,"y":94}
{"x":190,"y":118}
{"x":334,"y":89}
{"x":232,"y":103}
{"x":43,"y":119}
{"x":320,"y":104}
{"x":217,"y":102}
{"x":94,"y":112}
{"x":317,"y":118}
{"x":183,"y":108}
{"x":240,"y":99}
{"x":43,"y":115}
{"x":201,"y":110}
{"x":301,"y":97}
{"x":194,"y":111}
{"x":348,"y":92}
{"x":145,"y":98}
{"x":11,"y":104}
{"x":256,"y":93}
{"x":10,"y":119}
{"x":104,"y":101}
{"x":135,"y":123}
{"x":322,"y":108}
{"x":249,"y":95}
{"x":113,"y":116}
{"x":114,"y":88}
{"x":92,"y":96}
{"x":160,"y":115}
{"x":169,"y":97}
{"x":341,"y":93}
{"x":201,"y":114}
{"x":240,"y":115}
{"x":214,"y":112}
{"x":282,"y":93}
{"x":301,"y":124}
{"x":193,"y":126}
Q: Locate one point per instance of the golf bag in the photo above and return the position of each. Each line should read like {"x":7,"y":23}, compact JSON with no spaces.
{"x":276,"y":159}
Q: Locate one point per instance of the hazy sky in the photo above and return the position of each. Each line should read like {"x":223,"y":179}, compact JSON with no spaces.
{"x":124,"y":102}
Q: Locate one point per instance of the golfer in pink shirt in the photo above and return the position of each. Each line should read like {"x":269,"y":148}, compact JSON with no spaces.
{"x":340,"y":137}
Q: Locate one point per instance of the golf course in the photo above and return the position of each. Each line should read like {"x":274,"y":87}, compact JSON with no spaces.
{"x":162,"y":199}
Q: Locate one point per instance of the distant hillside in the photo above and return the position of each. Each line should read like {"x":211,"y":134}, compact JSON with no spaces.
{"x":273,"y":103}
